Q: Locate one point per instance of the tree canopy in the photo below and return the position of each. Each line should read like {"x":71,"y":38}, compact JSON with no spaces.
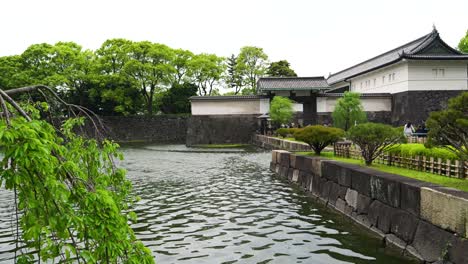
{"x":449,"y":128}
{"x":348,"y":111}
{"x":281,"y":68}
{"x":125,"y":77}
{"x":463,"y":44}
{"x":281,"y":110}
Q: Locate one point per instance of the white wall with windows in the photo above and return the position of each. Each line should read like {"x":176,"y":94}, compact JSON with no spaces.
{"x":414,"y":76}
{"x":391,"y":79}
{"x":437,"y":75}
{"x":230,"y":107}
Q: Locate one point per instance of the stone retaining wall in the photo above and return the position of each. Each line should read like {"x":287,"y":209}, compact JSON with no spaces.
{"x":221,"y":129}
{"x":267,"y":142}
{"x":163,"y":129}
{"x":420,"y":219}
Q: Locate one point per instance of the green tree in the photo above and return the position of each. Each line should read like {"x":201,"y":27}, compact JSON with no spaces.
{"x":348,"y":111}
{"x":318,"y":137}
{"x":115,"y":92}
{"x":206,"y":71}
{"x":71,"y":201}
{"x":252,"y":63}
{"x":463,"y":44}
{"x":449,"y":128}
{"x":281,"y":69}
{"x":176,"y":99}
{"x":233,"y":77}
{"x":150,"y":69}
{"x":373,"y":139}
{"x":12,"y":72}
{"x":181,"y":65}
{"x":281,"y":110}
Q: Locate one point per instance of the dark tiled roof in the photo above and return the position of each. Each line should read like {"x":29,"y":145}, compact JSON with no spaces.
{"x":228,"y":97}
{"x":362,"y":95}
{"x":430,"y":46}
{"x":292,"y":83}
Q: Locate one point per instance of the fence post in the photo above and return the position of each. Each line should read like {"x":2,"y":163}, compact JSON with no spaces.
{"x":439,"y":166}
{"x":448,"y":168}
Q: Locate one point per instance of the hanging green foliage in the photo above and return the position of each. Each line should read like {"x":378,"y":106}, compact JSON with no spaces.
{"x":72,"y":203}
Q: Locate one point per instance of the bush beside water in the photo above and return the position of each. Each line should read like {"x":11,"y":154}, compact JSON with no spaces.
{"x":415,"y":149}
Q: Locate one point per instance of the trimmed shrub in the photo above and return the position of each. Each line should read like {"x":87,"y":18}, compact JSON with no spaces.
{"x":285,"y":132}
{"x":282,"y":132}
{"x":374,"y":138}
{"x":318,"y":137}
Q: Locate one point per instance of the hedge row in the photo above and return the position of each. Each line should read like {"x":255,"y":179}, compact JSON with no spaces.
{"x":415,"y":149}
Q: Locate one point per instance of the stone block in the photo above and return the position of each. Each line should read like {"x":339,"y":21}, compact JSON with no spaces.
{"x":315,"y":166}
{"x":300,"y":162}
{"x":316,"y":182}
{"x":284,"y":158}
{"x":412,"y":253}
{"x":380,"y":215}
{"x":306,"y":179}
{"x":351,"y":198}
{"x":277,"y":168}
{"x":363,"y":220}
{"x":373,"y":212}
{"x":348,"y":210}
{"x":395,"y":242}
{"x":272,"y":166}
{"x":431,"y":242}
{"x":446,"y":209}
{"x":343,"y":191}
{"x":363,"y":203}
{"x":330,"y":170}
{"x":404,"y":225}
{"x":295,"y":175}
{"x":378,"y":233}
{"x":410,"y":199}
{"x":385,"y":189}
{"x":325,"y":189}
{"x":340,"y":205}
{"x":458,"y":252}
{"x":273,"y":156}
{"x":284,"y":172}
{"x":292,"y":161}
{"x":290,"y":174}
{"x":360,"y":181}
{"x":334,"y":193}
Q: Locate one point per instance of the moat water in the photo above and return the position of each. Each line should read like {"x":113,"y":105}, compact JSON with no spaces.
{"x":224,"y":206}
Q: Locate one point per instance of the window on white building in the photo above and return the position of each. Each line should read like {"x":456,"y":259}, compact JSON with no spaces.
{"x":441,"y":72}
{"x":393,"y":76}
{"x":383,"y":79}
{"x":375,"y":82}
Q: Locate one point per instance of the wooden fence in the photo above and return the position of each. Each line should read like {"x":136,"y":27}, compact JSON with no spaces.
{"x":447,"y":168}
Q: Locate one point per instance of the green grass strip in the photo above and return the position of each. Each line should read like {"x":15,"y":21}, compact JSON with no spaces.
{"x":222,"y":146}
{"x":459,"y":184}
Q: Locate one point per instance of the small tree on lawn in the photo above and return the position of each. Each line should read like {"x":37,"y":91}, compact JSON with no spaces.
{"x":374,"y":139}
{"x":318,"y":137}
{"x":281,"y":110}
{"x":348,"y":111}
{"x":449,"y":128}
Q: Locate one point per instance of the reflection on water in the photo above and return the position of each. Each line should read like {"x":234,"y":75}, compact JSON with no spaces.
{"x":215,"y":206}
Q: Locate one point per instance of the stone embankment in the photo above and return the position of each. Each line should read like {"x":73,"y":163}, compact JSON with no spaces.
{"x":267,"y":142}
{"x":420,"y":219}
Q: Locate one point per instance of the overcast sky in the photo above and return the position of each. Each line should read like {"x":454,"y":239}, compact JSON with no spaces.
{"x":316,"y":37}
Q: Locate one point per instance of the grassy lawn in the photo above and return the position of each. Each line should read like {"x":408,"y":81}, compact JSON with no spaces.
{"x":419,"y":175}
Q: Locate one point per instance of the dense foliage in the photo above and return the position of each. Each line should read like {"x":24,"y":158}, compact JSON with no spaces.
{"x":463,"y":44}
{"x":415,"y":149}
{"x":374,"y":138}
{"x":318,"y":137}
{"x":285,"y":132}
{"x":348,"y":111}
{"x":449,"y":128}
{"x":125,"y":77}
{"x":71,"y":201}
{"x":176,"y":99}
{"x":281,"y":68}
{"x":281,"y":110}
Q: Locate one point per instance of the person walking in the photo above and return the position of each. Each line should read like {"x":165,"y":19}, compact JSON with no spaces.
{"x":408,"y":130}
